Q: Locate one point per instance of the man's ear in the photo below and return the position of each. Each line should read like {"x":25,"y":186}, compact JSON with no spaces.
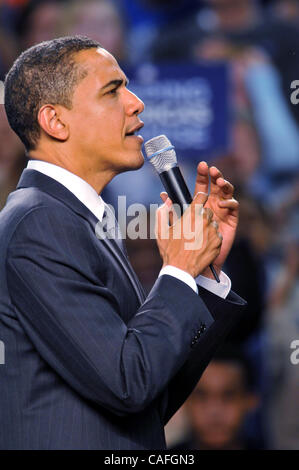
{"x":51,"y":121}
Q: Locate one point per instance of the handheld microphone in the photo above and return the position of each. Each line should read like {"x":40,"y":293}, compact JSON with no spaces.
{"x":162,"y":155}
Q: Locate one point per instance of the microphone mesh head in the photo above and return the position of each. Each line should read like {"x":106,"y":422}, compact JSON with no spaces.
{"x":165,"y":159}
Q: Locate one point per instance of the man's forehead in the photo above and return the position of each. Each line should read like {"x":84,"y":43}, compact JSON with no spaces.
{"x":222,"y":372}
{"x":100,"y":63}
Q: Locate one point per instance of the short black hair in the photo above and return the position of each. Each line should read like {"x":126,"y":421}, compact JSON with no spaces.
{"x":44,"y":73}
{"x":231,"y":353}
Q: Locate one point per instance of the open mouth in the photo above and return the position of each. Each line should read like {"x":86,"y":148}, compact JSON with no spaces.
{"x":134,"y":136}
{"x":133,"y":132}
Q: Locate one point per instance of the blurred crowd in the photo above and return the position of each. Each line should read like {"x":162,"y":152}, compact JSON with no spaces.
{"x":248,"y":397}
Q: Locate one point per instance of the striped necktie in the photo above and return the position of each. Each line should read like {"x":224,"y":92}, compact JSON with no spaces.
{"x":112,"y":228}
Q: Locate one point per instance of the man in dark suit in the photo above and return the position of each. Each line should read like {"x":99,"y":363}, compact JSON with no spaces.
{"x":90,"y":361}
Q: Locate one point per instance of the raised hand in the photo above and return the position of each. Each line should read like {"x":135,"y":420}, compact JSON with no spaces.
{"x":225,"y":208}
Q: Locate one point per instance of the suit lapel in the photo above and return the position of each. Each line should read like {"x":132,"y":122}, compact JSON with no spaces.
{"x":33,"y":178}
{"x":126,"y":265}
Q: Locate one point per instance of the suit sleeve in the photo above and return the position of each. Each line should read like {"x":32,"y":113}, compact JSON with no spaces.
{"x":227,"y":313}
{"x":74,"y":321}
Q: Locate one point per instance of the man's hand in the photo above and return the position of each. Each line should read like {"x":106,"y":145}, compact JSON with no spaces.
{"x":192,"y":242}
{"x":225,"y":208}
{"x":223,"y":205}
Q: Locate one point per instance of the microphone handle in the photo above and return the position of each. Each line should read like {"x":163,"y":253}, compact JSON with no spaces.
{"x":179,"y":193}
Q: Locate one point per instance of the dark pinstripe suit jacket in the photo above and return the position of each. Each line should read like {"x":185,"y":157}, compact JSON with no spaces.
{"x":90,"y":363}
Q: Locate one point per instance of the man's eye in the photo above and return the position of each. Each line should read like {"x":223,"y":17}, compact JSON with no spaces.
{"x":112,"y":92}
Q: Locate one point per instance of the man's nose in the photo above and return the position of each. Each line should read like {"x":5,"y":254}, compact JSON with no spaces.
{"x":135,"y":105}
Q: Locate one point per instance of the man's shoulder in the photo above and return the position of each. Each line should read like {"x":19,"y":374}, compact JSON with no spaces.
{"x":26,"y":204}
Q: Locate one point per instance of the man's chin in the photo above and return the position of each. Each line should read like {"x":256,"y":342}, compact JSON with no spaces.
{"x":141,"y":161}
{"x":134,"y":163}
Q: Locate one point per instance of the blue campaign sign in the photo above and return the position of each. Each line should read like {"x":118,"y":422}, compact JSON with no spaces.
{"x":188,"y":103}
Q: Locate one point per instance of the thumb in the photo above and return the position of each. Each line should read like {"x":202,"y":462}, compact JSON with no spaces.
{"x":163,"y":196}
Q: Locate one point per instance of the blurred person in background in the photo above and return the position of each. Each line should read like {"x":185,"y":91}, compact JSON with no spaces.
{"x":252,"y":257}
{"x":263,"y":163}
{"x":282,"y":329}
{"x":145,"y":18}
{"x":12,"y":155}
{"x":12,"y":158}
{"x":218,"y":406}
{"x":286,"y":9}
{"x":100,"y":20}
{"x":10,"y":12}
{"x":41,"y":20}
{"x":277,"y":130}
{"x":268,"y":236}
{"x":242,"y":23}
{"x":249,"y":258}
{"x":38,"y":22}
{"x":262,"y":69}
{"x":8,"y":51}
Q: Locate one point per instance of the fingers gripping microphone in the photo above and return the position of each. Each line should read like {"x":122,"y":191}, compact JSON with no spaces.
{"x":162,"y":155}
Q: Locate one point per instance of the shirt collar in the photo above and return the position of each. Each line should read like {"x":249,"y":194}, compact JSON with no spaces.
{"x":76,"y":185}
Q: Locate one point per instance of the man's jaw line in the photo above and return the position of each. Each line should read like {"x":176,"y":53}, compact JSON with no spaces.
{"x":97,"y":179}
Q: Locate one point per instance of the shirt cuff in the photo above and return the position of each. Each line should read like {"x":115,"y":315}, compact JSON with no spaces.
{"x":181,"y":275}
{"x":221,"y":288}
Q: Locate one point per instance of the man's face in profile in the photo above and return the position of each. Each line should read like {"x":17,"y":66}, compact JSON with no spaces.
{"x":104,"y":112}
{"x":218,"y":405}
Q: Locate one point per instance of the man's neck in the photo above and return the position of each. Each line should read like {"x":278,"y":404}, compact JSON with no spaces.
{"x":97,"y":179}
{"x":234,"y":444}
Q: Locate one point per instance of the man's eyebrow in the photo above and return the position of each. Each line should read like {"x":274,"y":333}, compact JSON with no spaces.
{"x":117,"y":82}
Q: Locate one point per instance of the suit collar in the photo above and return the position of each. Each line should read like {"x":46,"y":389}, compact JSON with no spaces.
{"x":36,"y":179}
{"x":80,"y":188}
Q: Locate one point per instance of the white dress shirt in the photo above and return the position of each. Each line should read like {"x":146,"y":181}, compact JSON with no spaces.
{"x":90,"y":198}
